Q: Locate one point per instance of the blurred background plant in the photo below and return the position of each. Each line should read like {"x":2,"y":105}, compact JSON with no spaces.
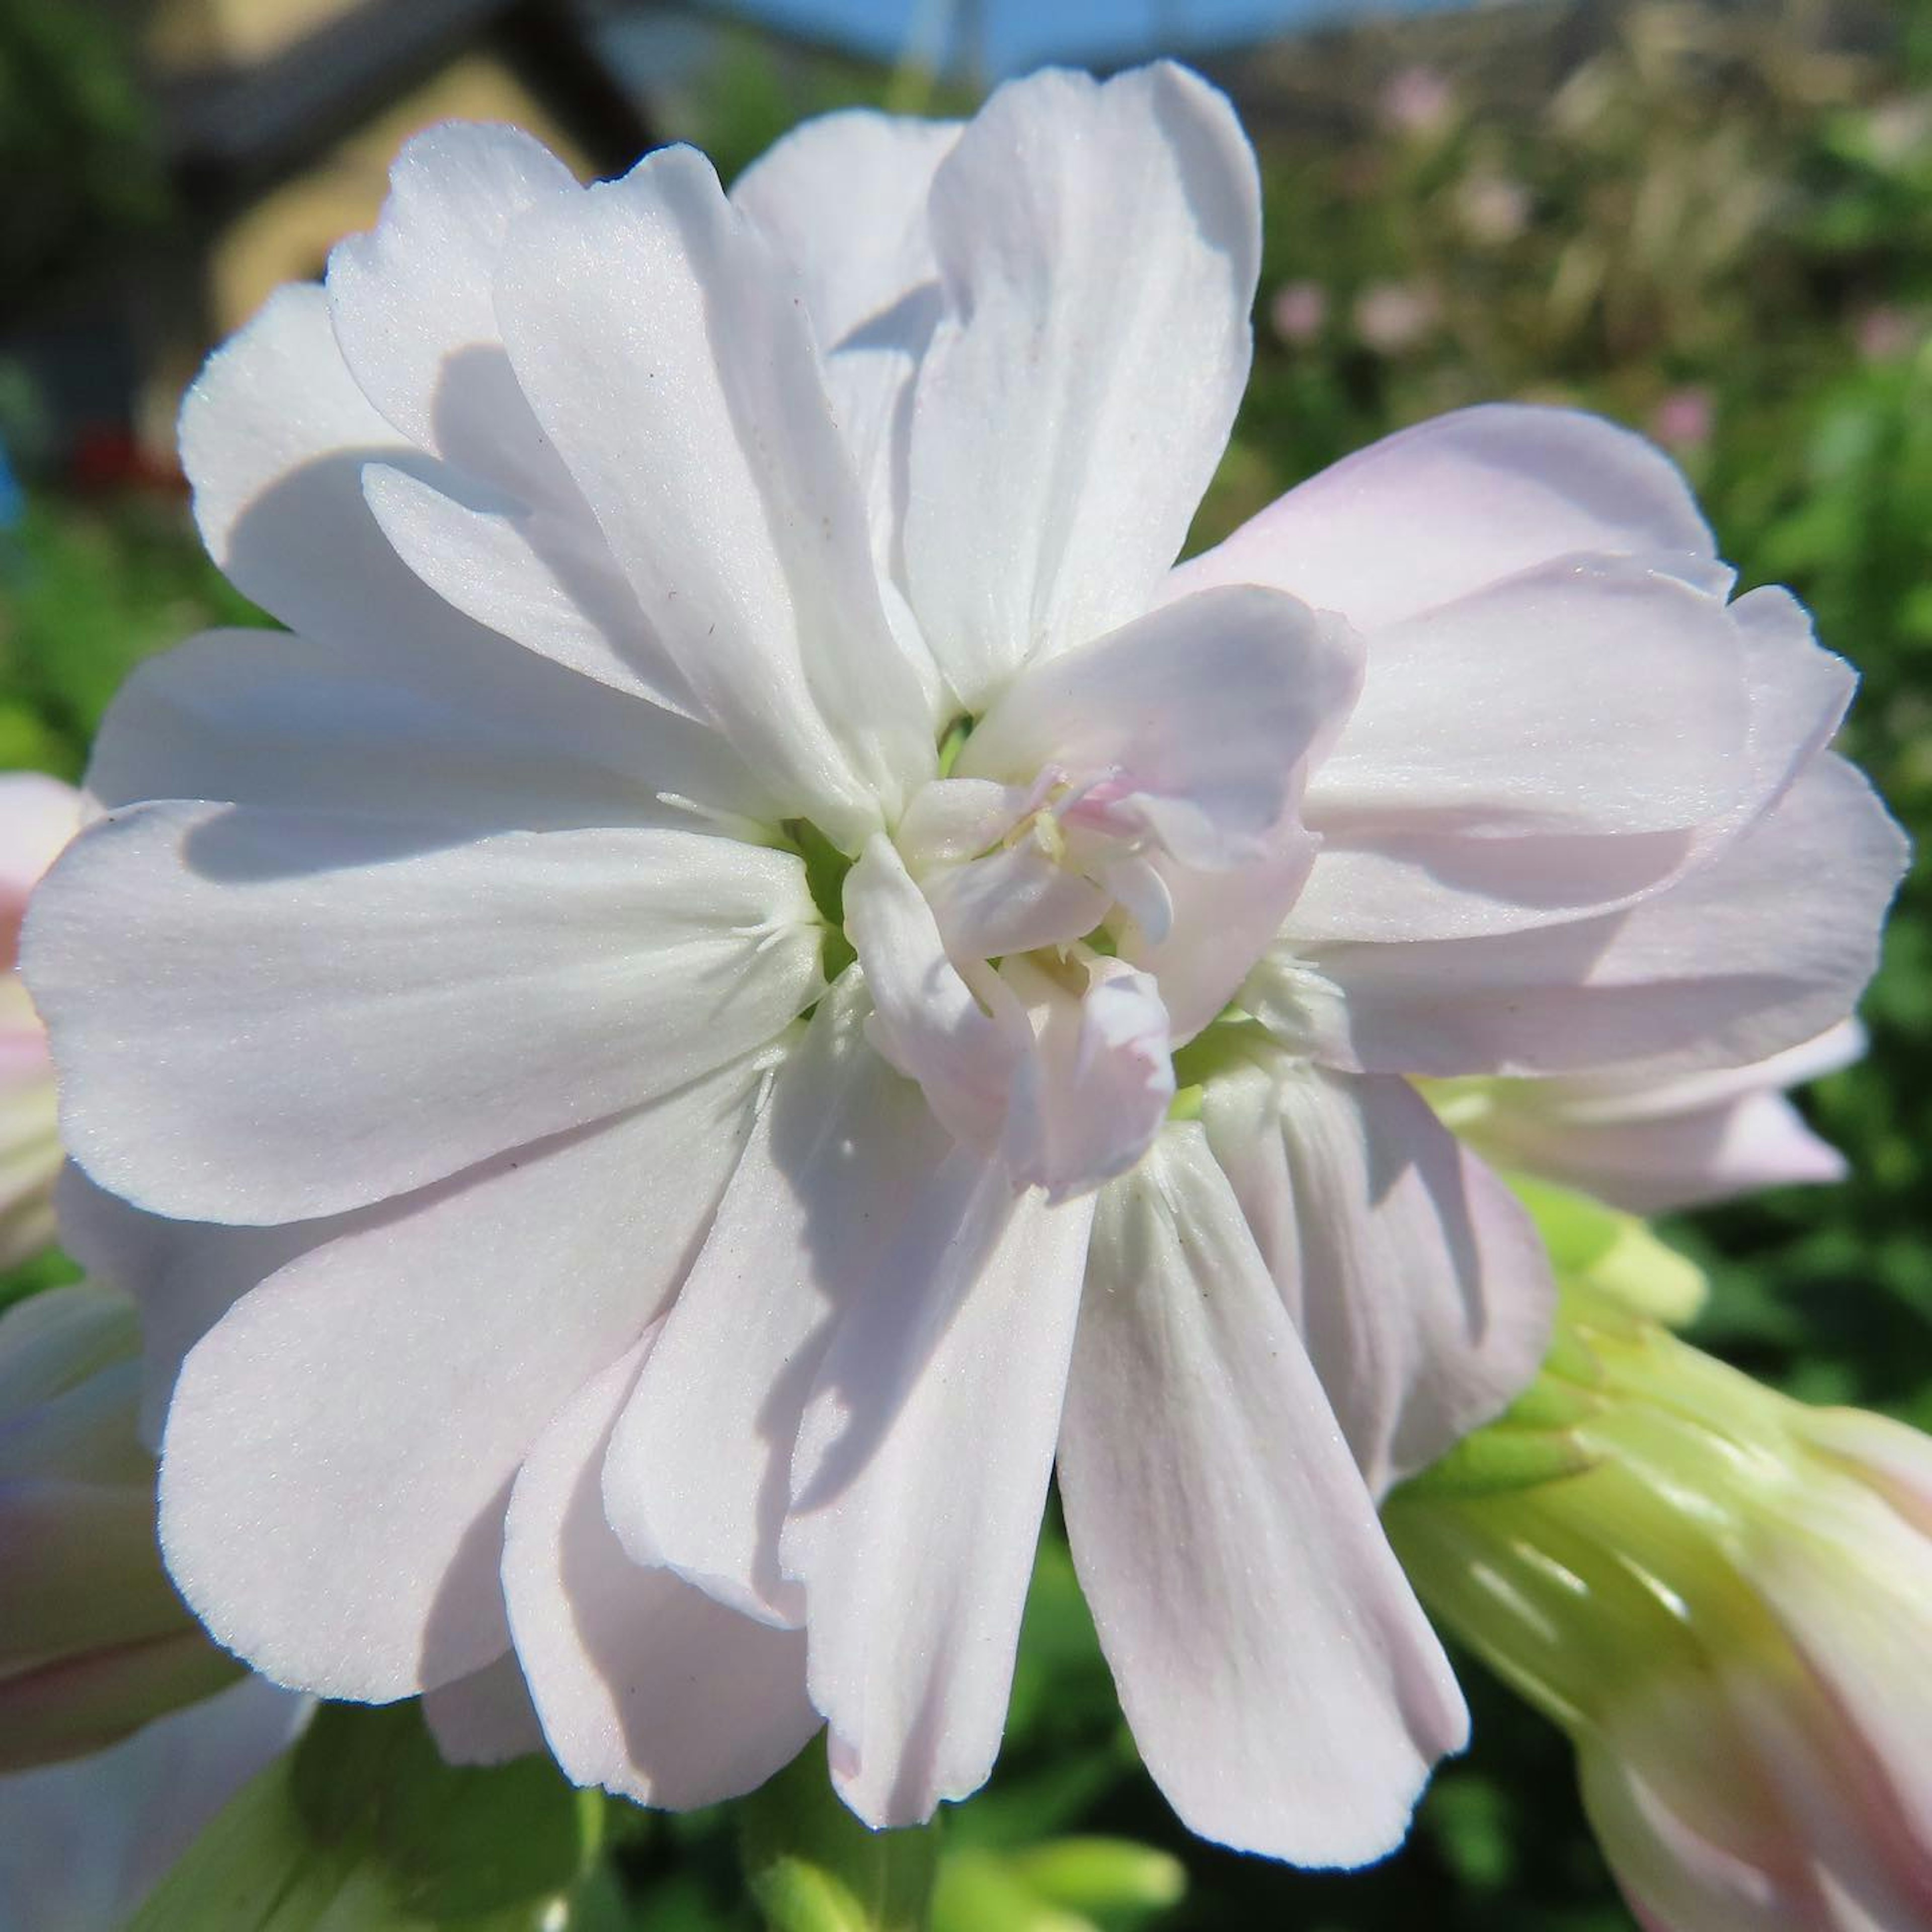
{"x":1712,"y":222}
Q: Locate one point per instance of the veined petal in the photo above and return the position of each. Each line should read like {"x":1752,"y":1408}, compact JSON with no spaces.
{"x":261,"y":718}
{"x":331,"y":1014}
{"x":1715,"y":972}
{"x":687,"y":397}
{"x":275,"y":437}
{"x":848,"y":1180}
{"x":1436,"y":511}
{"x":1099,"y":245}
{"x":1283,"y":1684}
{"x":474,"y":1311}
{"x":1420,"y":1286}
{"x":645,"y":1685}
{"x":918,"y":1482}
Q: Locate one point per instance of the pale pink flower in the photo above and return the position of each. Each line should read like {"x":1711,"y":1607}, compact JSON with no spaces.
{"x":38,"y":816}
{"x":1493,"y":208}
{"x":1418,"y":101}
{"x":699,"y":600}
{"x":1652,"y":1144}
{"x":1683,"y":419}
{"x":1298,"y":312}
{"x":1885,"y":332}
{"x":1393,"y":317}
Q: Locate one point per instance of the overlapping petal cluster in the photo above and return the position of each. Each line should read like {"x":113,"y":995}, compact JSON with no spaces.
{"x":761,"y":970}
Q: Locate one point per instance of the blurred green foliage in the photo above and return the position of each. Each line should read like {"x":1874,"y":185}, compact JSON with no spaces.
{"x":1715,"y":224}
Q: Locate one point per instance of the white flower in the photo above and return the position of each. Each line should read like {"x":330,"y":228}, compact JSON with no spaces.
{"x":38,"y":816}
{"x":651,"y":555}
{"x":82,"y":1844}
{"x":1651,"y":1143}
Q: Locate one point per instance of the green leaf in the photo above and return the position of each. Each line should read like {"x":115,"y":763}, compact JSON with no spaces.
{"x":364,"y":1828}
{"x":812,"y":1867}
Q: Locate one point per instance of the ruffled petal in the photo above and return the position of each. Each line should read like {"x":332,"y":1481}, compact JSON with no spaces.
{"x":411,"y":1364}
{"x":1284,"y":1687}
{"x":486,"y":1717}
{"x":331,"y":1014}
{"x":687,"y":396}
{"x":260,"y":718}
{"x":1098,"y":245}
{"x":1715,"y":972}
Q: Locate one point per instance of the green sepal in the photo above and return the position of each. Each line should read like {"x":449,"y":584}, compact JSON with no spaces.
{"x":812,"y":1867}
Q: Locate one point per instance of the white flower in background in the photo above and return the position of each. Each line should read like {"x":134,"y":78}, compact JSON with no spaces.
{"x":38,"y":815}
{"x":94,"y":1640}
{"x":82,"y":1844}
{"x":697,"y":600}
{"x":1652,"y":1143}
{"x":1726,"y":1599}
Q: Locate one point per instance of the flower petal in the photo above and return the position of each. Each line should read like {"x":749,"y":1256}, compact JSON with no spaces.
{"x":848,"y":1179}
{"x":1090,"y":1095}
{"x":183,"y":1275}
{"x":1556,"y":742}
{"x":263,"y":718}
{"x":1099,"y":245}
{"x":332,"y":1015}
{"x":415,"y":1360}
{"x":918,"y":1483}
{"x":1714,"y":972}
{"x":687,"y":396}
{"x":484,"y":1718}
{"x":1420,"y":1286}
{"x":1283,"y":1685}
{"x":843,"y":198}
{"x":38,"y":815}
{"x":1436,"y":511}
{"x":646,"y":1685}
{"x":411,"y":299}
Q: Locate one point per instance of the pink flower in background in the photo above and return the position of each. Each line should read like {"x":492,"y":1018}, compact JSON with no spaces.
{"x":1493,"y":208}
{"x":1652,"y":1144}
{"x":1298,"y":312}
{"x":38,"y":815}
{"x":1683,"y":419}
{"x":698,"y":979}
{"x":1885,"y":332}
{"x":1418,"y":101}
{"x":1392,"y":318}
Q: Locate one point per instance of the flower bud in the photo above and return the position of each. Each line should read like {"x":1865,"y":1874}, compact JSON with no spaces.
{"x":1725,"y":1597}
{"x":94,"y":1640}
